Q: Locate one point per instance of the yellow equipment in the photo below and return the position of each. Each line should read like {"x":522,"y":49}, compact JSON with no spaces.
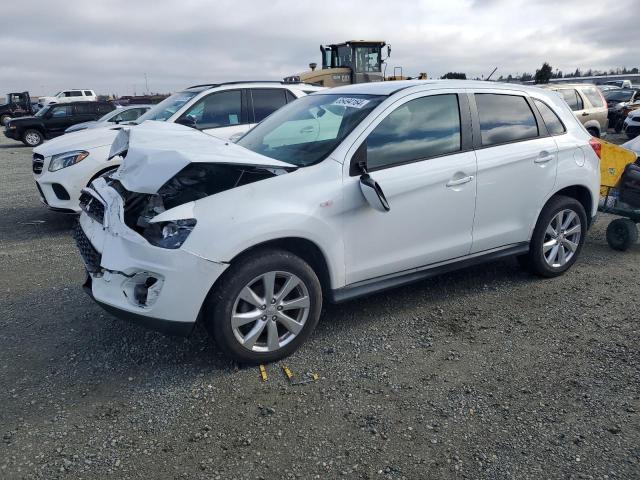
{"x":354,"y":61}
{"x":614,"y":159}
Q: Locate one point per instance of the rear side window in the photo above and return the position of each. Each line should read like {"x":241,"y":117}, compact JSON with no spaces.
{"x":75,"y":93}
{"x":266,"y":101}
{"x":594,"y":97}
{"x":421,"y":128}
{"x":88,"y":93}
{"x":85,"y":109}
{"x":290,"y":96}
{"x":572,"y":98}
{"x":505,"y":118}
{"x":551,"y":120}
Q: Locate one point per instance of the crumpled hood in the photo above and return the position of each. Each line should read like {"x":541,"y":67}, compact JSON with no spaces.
{"x":157,"y":151}
{"x":82,"y":140}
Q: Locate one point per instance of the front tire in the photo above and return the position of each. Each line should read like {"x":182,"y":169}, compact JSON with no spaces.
{"x":558,"y":237}
{"x":4,"y":119}
{"x":264,"y":307}
{"x":32,"y":138}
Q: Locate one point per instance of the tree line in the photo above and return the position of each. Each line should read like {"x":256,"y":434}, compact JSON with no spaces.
{"x":546,"y":73}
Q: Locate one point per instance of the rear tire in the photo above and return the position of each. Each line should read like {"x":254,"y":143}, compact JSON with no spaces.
{"x":252,"y":325}
{"x":32,"y":138}
{"x":622,"y":233}
{"x":558,"y":237}
{"x":594,"y":132}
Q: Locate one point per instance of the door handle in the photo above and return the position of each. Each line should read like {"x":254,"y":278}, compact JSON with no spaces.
{"x":308,"y":129}
{"x":585,"y":114}
{"x":543,"y":158}
{"x":460,"y":181}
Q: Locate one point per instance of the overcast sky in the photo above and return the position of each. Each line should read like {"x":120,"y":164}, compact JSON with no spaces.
{"x":109,"y":45}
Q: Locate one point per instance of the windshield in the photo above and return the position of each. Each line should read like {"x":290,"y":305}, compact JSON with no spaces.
{"x":308,"y":130}
{"x":167,"y":107}
{"x":42,"y":111}
{"x":618,"y":95}
{"x":107,"y":116}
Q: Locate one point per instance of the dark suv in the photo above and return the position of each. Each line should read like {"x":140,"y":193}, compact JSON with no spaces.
{"x":53,"y":120}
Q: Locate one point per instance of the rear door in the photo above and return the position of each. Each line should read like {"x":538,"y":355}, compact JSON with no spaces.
{"x":517,"y":164}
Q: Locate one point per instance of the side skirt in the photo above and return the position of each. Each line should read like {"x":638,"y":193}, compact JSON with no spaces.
{"x":399,"y":279}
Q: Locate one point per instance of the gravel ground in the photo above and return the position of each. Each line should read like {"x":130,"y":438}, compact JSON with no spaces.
{"x":487,"y":373}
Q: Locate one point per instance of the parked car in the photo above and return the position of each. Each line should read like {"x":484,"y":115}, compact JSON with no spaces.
{"x":631,"y":126}
{"x":587,"y":103}
{"x":17,"y":105}
{"x":617,"y":100}
{"x":117,"y":116}
{"x":223,"y":110}
{"x":53,"y":120}
{"x":607,"y":88}
{"x":340,"y":194}
{"x":68,"y":96}
{"x":619,"y":83}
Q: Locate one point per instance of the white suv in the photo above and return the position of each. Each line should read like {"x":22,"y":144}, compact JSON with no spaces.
{"x":62,"y":167}
{"x":68,"y":96}
{"x":343,"y":193}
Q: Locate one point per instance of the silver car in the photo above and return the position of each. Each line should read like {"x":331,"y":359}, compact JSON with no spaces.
{"x":120,"y":114}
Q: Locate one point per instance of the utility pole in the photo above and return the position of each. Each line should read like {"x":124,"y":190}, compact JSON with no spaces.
{"x":146,"y":84}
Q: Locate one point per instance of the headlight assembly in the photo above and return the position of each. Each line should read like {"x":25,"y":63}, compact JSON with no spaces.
{"x":170,"y":234}
{"x":64,"y":160}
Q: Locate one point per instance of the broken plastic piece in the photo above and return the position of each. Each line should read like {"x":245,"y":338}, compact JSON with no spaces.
{"x":263,"y":373}
{"x":287,"y":372}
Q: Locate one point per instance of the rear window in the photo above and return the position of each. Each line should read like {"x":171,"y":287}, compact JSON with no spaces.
{"x":505,"y":118}
{"x":572,"y":98}
{"x":551,"y":120}
{"x":594,"y":96}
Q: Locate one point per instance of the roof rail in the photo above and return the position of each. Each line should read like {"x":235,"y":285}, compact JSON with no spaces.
{"x":280,"y":82}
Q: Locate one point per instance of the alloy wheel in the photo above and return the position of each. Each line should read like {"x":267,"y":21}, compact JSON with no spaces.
{"x":32,"y":138}
{"x":270,"y":311}
{"x":562,"y":238}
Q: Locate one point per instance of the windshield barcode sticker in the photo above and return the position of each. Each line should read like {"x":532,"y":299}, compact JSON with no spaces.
{"x":351,"y":102}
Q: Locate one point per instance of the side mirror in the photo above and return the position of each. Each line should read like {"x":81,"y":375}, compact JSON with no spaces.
{"x":373,"y":193}
{"x":187,"y":121}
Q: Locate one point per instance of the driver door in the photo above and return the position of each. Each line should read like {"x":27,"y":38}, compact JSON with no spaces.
{"x":419,"y":151}
{"x":220,"y":114}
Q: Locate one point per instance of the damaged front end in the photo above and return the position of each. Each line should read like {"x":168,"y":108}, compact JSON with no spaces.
{"x":192,"y":183}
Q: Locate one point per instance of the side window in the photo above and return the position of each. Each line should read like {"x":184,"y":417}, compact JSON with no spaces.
{"x":421,"y":128}
{"x":67,"y":94}
{"x":88,"y":93}
{"x":220,"y":109}
{"x":504,"y":118}
{"x":85,"y":109}
{"x":594,"y":97}
{"x":61,"y":111}
{"x":290,"y":96}
{"x":266,"y":101}
{"x":75,"y":93}
{"x":130,"y":115}
{"x":572,"y":98}
{"x":102,"y":107}
{"x":551,"y":120}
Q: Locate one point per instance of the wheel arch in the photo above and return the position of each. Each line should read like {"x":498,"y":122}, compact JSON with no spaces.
{"x":101,"y":172}
{"x":304,"y":248}
{"x":580,"y":193}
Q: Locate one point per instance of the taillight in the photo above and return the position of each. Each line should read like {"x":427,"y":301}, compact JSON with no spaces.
{"x":597,"y":146}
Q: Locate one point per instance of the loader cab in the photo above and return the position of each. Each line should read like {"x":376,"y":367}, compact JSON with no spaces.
{"x":355,"y":61}
{"x":362,"y":58}
{"x":18,"y":99}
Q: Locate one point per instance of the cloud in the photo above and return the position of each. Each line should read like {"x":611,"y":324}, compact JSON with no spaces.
{"x":109,"y":46}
